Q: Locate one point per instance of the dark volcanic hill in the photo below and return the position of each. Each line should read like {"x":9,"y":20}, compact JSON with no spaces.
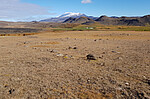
{"x":145,"y":19}
{"x":81,"y":20}
{"x":131,"y":21}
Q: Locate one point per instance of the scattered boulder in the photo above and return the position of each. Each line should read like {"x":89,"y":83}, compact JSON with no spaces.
{"x":11,"y":91}
{"x":90,"y":57}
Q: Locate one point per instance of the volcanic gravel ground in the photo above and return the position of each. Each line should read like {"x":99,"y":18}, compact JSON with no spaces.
{"x":54,"y":65}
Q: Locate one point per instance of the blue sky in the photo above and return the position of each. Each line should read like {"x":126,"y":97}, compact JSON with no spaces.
{"x":13,"y":9}
{"x":97,"y":7}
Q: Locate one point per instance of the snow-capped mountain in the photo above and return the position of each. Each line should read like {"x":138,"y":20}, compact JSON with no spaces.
{"x":63,"y":17}
{"x":70,"y":14}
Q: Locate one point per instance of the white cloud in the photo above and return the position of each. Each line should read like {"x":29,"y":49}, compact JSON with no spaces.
{"x":86,"y":1}
{"x":13,"y":9}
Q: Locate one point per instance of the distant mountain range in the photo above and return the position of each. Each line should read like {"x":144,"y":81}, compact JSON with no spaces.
{"x":65,"y":16}
{"x":128,"y":21}
{"x":79,"y":18}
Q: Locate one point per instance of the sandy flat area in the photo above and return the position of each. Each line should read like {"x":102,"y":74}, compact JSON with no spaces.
{"x":53,"y":65}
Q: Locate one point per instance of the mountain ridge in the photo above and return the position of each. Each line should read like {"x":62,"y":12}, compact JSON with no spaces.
{"x":65,"y":16}
{"x":79,"y":20}
{"x":129,"y":21}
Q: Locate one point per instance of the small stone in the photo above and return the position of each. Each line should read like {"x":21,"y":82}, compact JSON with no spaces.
{"x":70,"y":47}
{"x":5,"y":86}
{"x":88,"y":81}
{"x":101,"y":56}
{"x":34,"y":48}
{"x":104,"y":53}
{"x":120,"y":58}
{"x":53,"y":51}
{"x":113,"y":51}
{"x":69,"y":70}
{"x":67,"y":56}
{"x":75,"y":48}
{"x":102,"y":64}
{"x":26,"y":43}
{"x":59,"y":54}
{"x":144,"y":77}
{"x":127,"y":84}
{"x":90,"y":57}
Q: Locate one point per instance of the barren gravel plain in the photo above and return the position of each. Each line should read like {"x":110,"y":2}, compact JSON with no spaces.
{"x":54,"y":65}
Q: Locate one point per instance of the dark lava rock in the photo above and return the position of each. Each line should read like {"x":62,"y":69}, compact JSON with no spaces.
{"x":11,"y":90}
{"x":90,"y":57}
{"x":75,"y":48}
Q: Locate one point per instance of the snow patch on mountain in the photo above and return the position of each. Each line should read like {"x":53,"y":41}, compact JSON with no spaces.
{"x":70,"y":14}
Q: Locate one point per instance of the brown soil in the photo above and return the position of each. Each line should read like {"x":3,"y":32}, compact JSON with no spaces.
{"x":53,"y":65}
